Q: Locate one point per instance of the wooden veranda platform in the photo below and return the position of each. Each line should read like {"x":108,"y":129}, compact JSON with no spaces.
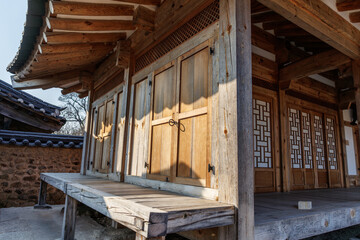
{"x":149,"y":212}
{"x":277,"y":216}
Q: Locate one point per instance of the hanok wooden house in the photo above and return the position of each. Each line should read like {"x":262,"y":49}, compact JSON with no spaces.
{"x":195,"y":105}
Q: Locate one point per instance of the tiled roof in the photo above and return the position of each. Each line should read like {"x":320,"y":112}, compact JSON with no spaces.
{"x":32,"y":139}
{"x":29,"y":102}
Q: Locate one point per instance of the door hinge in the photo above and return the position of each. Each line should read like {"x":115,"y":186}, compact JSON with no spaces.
{"x":211,"y":168}
{"x":146,"y":165}
{"x":212,"y":51}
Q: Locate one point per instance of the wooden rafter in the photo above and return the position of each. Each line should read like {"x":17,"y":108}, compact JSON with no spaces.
{"x":354,"y":17}
{"x":143,"y":2}
{"x":319,"y":63}
{"x":144,"y":18}
{"x":89,"y":25}
{"x":347,"y":5}
{"x":69,"y":48}
{"x":321,"y":21}
{"x":59,"y":38}
{"x":91,"y":9}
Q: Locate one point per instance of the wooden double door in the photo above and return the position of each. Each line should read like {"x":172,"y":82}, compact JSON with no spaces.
{"x":313,"y":143}
{"x":180,"y":127}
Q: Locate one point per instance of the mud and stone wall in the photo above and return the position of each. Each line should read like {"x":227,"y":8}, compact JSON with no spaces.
{"x":20,"y":168}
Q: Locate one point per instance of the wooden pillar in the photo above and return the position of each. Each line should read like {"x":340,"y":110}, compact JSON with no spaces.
{"x":236,"y":170}
{"x":139,"y":237}
{"x":42,"y":197}
{"x":69,"y":220}
{"x":356,"y":77}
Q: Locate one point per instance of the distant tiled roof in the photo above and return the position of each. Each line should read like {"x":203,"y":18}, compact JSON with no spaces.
{"x":30,"y":102}
{"x":39,"y":139}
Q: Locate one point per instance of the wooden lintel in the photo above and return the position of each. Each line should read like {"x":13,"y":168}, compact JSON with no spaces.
{"x":144,"y":18}
{"x":319,"y":63}
{"x":89,"y":25}
{"x":83,"y":94}
{"x":347,"y":5}
{"x":71,"y":89}
{"x":91,"y":9}
{"x":321,"y":21}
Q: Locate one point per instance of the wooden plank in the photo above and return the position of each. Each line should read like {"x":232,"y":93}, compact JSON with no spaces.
{"x":89,"y":25}
{"x":235,"y":136}
{"x":91,"y":9}
{"x":59,"y":38}
{"x":347,"y":5}
{"x":321,"y":62}
{"x":321,"y":21}
{"x":69,"y":221}
{"x":79,"y":47}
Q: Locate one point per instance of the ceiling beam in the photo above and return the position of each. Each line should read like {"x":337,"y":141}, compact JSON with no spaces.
{"x":321,"y":21}
{"x":90,"y":9}
{"x":59,"y":38}
{"x":89,"y":24}
{"x":354,"y":17}
{"x":347,"y":5}
{"x":144,"y":18}
{"x":315,"y":64}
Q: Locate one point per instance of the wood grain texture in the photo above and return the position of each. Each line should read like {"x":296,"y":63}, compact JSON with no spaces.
{"x":151,"y":213}
{"x":69,"y":221}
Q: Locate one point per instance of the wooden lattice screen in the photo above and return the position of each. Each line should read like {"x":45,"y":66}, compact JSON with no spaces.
{"x":201,"y":21}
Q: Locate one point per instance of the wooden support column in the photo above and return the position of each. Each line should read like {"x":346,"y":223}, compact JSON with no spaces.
{"x":139,"y":237}
{"x":42,"y":197}
{"x":236,"y":171}
{"x":356,"y":77}
{"x":69,"y":221}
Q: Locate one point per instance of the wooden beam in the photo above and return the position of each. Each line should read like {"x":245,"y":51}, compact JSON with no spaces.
{"x":236,"y":172}
{"x":143,"y":2}
{"x":71,"y":89}
{"x":263,"y":39}
{"x":322,"y":62}
{"x":144,"y":18}
{"x":91,"y":9}
{"x":346,"y":98}
{"x":345,"y":83}
{"x":49,"y":57}
{"x":59,"y":38}
{"x":267,"y":17}
{"x":89,"y":24}
{"x":321,"y":21}
{"x":347,"y":5}
{"x":44,"y":83}
{"x":354,"y":17}
{"x":356,"y":73}
{"x":69,"y":220}
{"x":76,"y":47}
{"x":120,"y":59}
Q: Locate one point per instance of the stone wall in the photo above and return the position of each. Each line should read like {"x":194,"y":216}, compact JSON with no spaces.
{"x":20,"y":168}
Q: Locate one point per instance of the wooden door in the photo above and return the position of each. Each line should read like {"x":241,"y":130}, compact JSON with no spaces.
{"x":102,"y":136}
{"x":180,"y":132}
{"x":332,"y":151}
{"x":264,"y":169}
{"x":163,"y":114}
{"x":193,"y":123}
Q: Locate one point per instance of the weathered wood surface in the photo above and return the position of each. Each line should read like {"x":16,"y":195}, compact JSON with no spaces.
{"x":69,"y":221}
{"x":151,"y":213}
{"x":42,"y":197}
{"x":277,"y":216}
{"x":236,"y":170}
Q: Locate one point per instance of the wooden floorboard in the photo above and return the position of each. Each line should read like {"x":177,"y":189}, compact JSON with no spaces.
{"x":277,"y":216}
{"x":147,"y":211}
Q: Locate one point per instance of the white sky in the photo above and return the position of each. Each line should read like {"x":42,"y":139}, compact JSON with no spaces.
{"x":12,"y":19}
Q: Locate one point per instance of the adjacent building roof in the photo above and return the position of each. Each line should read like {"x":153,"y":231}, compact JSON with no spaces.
{"x":27,"y":109}
{"x":31,"y":139}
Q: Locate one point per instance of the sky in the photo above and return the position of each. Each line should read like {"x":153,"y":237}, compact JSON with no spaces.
{"x":12,"y":19}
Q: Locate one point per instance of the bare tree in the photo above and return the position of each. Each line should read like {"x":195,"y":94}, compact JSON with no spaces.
{"x":75,"y":114}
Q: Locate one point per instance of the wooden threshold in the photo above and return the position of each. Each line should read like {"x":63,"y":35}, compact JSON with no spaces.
{"x":149,"y":212}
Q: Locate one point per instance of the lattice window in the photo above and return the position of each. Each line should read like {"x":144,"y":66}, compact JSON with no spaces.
{"x":201,"y":21}
{"x":319,"y":142}
{"x":262,"y":134}
{"x":331,"y":143}
{"x":306,"y":140}
{"x":295,"y":138}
